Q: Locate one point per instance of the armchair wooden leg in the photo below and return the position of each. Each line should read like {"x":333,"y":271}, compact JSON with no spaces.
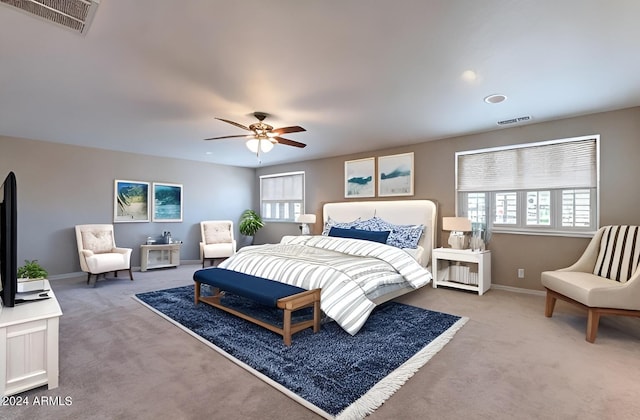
{"x":211,"y":261}
{"x":130,"y":274}
{"x":95,"y":279}
{"x":593,"y":319}
{"x":550,"y":304}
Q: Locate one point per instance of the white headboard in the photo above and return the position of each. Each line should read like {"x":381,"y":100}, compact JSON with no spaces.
{"x":399,"y":212}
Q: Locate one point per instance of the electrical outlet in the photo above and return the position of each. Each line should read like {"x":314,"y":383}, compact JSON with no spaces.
{"x":520,"y":273}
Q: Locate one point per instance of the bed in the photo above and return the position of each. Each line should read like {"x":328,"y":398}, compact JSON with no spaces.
{"x":355,"y":275}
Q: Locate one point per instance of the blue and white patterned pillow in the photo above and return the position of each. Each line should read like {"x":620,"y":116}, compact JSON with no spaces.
{"x":405,"y":236}
{"x":333,"y":223}
{"x":401,"y":236}
{"x":374,"y":224}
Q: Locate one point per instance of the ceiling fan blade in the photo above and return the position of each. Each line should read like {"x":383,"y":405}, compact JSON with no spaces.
{"x":234,"y":123}
{"x":285,"y":130}
{"x":289,"y":142}
{"x":230,"y":137}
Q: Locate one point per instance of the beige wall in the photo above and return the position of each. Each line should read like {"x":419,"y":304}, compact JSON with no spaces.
{"x":60,"y":186}
{"x":434,"y":179}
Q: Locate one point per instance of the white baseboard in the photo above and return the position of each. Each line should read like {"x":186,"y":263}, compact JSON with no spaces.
{"x":518,"y":290}
{"x":67,"y":275}
{"x":83,"y":274}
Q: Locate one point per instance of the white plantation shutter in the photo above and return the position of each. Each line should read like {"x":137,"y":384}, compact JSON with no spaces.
{"x":282,"y":196}
{"x":545,"y":187}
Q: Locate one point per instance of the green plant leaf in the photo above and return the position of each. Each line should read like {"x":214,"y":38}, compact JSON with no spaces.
{"x":31,"y":270}
{"x":250,"y":223}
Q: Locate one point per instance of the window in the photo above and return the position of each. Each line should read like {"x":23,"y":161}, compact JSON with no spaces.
{"x":544,"y":188}
{"x":282,"y":196}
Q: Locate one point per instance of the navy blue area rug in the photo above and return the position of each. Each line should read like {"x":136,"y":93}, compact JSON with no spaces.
{"x":331,"y":372}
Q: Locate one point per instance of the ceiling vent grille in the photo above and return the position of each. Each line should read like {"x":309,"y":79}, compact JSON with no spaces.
{"x":73,"y":14}
{"x":514,"y":120}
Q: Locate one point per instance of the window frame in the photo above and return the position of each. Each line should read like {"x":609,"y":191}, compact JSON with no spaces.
{"x":295,"y":210}
{"x":556,"y":199}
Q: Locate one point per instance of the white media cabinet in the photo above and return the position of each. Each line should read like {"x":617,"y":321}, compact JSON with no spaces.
{"x":159,"y":256}
{"x":29,"y":345}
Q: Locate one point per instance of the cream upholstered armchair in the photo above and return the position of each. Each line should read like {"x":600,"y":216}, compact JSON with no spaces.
{"x":605,"y":280}
{"x":217,"y":240}
{"x":98,"y":252}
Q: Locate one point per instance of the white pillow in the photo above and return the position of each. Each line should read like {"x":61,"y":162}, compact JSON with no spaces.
{"x":218,"y":233}
{"x":97,"y":241}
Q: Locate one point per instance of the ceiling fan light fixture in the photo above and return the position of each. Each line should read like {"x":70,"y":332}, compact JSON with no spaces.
{"x":263,"y":136}
{"x":263,"y":145}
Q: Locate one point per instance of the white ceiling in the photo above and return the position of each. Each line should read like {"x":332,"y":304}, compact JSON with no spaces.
{"x":150,"y":75}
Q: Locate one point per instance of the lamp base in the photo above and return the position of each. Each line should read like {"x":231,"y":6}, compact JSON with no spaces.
{"x":305,"y":229}
{"x":458,"y":240}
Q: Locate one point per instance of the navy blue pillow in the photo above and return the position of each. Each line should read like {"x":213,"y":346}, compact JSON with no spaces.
{"x":367,"y":235}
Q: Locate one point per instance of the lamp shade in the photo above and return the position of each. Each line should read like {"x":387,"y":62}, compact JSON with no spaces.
{"x":306,"y":218}
{"x":456,"y":224}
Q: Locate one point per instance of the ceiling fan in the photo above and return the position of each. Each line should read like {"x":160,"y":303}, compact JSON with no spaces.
{"x":263,"y":136}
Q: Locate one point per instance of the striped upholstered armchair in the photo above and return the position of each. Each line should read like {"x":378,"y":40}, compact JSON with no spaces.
{"x":605,"y":280}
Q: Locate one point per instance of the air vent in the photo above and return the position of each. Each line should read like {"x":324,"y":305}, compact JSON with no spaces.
{"x":514,"y":120}
{"x":73,"y":14}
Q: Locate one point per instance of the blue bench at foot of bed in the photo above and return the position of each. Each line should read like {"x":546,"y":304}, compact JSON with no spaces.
{"x":266,"y":292}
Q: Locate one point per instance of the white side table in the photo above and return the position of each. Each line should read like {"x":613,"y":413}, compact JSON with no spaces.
{"x":473,"y":274}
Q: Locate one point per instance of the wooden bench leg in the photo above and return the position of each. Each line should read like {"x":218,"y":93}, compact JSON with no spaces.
{"x":196,"y":293}
{"x":286,"y":327}
{"x":316,"y":315}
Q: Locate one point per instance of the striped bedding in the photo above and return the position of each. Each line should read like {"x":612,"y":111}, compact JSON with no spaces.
{"x":346,"y":270}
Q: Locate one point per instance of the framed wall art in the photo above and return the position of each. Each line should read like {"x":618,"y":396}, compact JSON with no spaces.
{"x":359,"y":178}
{"x":395,"y":175}
{"x":130,"y":201}
{"x":167,"y":202}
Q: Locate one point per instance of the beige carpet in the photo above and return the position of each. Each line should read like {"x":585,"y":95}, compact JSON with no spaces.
{"x":118,"y":360}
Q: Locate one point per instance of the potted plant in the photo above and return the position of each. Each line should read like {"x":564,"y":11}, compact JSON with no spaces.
{"x":32,"y":270}
{"x":250,"y":223}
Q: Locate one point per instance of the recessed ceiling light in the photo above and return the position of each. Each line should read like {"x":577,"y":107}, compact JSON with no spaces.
{"x":495,"y":98}
{"x":208,"y":153}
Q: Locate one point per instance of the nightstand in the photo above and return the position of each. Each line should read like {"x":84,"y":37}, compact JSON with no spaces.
{"x":462,"y":269}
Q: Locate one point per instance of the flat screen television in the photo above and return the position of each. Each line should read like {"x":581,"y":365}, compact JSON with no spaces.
{"x":8,"y":240}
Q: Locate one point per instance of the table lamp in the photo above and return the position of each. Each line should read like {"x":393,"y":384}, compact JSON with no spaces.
{"x":457,"y":226}
{"x":306,"y":219}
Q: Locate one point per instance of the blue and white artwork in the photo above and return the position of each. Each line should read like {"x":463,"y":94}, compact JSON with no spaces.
{"x":130,"y":201}
{"x":359,"y":178}
{"x":395,"y":175}
{"x":167,"y":202}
